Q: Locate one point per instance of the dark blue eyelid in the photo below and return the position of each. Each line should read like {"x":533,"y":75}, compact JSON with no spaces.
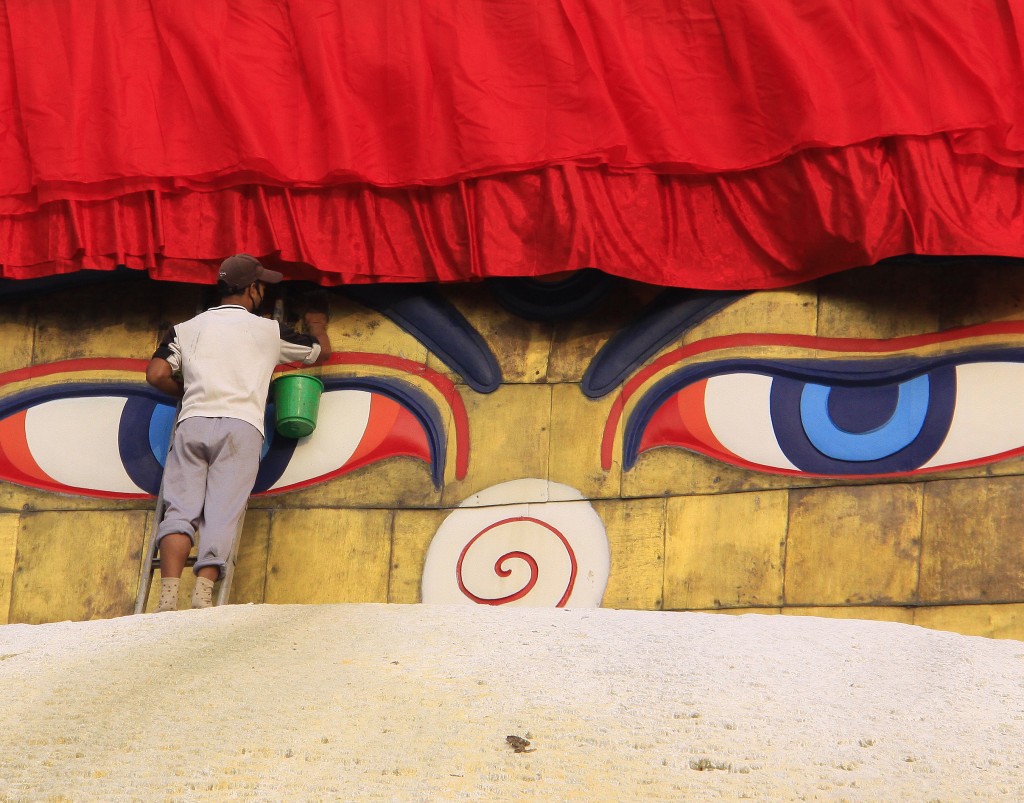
{"x":841,"y":371}
{"x":18,"y":402}
{"x":846,"y":372}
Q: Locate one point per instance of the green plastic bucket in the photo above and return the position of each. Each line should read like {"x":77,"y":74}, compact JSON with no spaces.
{"x":296,"y":401}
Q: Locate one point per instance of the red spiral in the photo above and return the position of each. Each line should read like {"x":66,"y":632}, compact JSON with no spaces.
{"x":501,"y":571}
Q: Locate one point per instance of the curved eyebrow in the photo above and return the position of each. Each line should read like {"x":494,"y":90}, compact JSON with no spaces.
{"x":420,"y":311}
{"x":670,"y":314}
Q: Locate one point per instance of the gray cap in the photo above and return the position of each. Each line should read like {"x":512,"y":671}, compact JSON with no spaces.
{"x":241,"y":270}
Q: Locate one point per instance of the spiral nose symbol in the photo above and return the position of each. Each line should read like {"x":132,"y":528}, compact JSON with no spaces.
{"x":524,"y":542}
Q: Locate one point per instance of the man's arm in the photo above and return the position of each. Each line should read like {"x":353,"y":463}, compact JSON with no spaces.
{"x":163,"y":364}
{"x":316,"y":325}
{"x":160,"y":375}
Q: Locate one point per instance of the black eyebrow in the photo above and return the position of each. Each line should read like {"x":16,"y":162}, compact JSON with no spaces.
{"x":668,"y":315}
{"x":420,"y":311}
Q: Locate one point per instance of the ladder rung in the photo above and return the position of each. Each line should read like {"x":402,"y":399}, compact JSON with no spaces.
{"x":155,"y":563}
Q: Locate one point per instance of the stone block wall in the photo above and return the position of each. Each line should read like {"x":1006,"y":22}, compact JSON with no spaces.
{"x":539,"y":468}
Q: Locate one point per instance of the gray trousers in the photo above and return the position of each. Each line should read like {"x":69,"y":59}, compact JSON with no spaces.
{"x":210,"y":470}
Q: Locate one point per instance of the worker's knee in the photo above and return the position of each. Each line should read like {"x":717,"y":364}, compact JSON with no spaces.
{"x":176,"y":527}
{"x":175,"y":543}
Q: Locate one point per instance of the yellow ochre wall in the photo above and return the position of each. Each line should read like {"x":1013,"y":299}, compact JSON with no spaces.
{"x":685,"y":532}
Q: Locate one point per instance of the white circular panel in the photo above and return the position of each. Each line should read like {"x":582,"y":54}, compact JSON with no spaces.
{"x":502,"y":547}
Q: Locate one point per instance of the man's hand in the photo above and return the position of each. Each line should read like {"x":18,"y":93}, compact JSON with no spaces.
{"x":316,"y":325}
{"x":160,"y":375}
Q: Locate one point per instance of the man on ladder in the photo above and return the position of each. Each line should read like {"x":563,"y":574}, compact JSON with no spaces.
{"x":219,"y":364}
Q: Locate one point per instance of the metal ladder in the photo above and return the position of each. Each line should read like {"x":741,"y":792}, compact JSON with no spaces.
{"x":151,"y":561}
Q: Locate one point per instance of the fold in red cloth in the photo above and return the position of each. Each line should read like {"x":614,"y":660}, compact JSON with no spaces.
{"x":718,"y":144}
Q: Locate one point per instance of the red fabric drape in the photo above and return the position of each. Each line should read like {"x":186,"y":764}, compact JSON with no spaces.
{"x":715,"y":143}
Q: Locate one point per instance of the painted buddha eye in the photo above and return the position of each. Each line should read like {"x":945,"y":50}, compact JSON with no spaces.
{"x":839,"y":418}
{"x":110,"y":439}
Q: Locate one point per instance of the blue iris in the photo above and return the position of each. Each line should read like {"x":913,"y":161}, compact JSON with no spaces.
{"x":840,"y":422}
{"x":160,"y":423}
{"x":873,"y":427}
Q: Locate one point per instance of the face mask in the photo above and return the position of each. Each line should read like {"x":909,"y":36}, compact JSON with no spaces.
{"x":257,"y":305}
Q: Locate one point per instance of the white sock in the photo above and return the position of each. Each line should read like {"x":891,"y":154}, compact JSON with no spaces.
{"x":202,"y":594}
{"x":168,"y":594}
